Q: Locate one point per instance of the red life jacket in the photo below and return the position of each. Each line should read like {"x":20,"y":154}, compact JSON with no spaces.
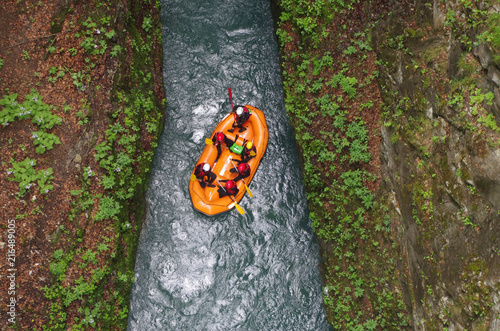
{"x":245,"y":169}
{"x":233,"y":189}
{"x":217,"y":136}
{"x":199,"y":172}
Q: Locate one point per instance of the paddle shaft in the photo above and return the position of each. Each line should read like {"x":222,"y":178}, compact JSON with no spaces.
{"x":230,"y":97}
{"x":232,"y":107}
{"x":235,"y":165}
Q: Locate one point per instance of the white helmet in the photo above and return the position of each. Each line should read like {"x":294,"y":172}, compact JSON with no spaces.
{"x":206,"y":167}
{"x":239,"y":111}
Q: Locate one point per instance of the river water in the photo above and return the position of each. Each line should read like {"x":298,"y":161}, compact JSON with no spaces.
{"x":257,"y":271}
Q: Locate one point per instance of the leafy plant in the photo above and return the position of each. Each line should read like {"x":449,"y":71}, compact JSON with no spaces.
{"x":95,"y":42}
{"x":116,"y":50}
{"x":489,"y":121}
{"x":10,"y":110}
{"x":108,"y":182}
{"x":72,"y":51}
{"x":26,"y":55}
{"x":348,"y":86}
{"x":78,"y":80}
{"x":87,"y":173}
{"x":108,"y":208}
{"x":147,"y":24}
{"x":25,"y":174}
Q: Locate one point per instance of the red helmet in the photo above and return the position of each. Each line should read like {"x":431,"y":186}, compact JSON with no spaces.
{"x":242,"y":167}
{"x":219,"y":136}
{"x":230,"y":184}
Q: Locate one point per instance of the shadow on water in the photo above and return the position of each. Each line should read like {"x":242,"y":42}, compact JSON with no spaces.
{"x":256,"y":271}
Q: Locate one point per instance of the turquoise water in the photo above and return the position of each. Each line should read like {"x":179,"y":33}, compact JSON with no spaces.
{"x":257,"y":271}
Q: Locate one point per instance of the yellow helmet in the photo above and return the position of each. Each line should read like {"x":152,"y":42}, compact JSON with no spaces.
{"x":249,"y":145}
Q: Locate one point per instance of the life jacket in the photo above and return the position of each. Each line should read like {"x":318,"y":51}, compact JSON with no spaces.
{"x":199,"y":172}
{"x":246,"y":170}
{"x":247,"y":151}
{"x":240,"y":119}
{"x":245,"y":116}
{"x":217,"y":141}
{"x":232,"y":191}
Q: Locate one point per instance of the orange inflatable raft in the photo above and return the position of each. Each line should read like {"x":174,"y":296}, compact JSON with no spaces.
{"x":207,"y":200}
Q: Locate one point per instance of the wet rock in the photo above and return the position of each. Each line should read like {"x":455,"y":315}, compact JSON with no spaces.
{"x":494,"y":74}
{"x":461,"y":169}
{"x":484,"y":55}
{"x":454,"y":56}
{"x":438,"y":16}
{"x":486,"y":172}
{"x":77,"y":159}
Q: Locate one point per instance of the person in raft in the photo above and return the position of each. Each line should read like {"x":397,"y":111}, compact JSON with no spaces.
{"x":220,"y":138}
{"x":204,"y":175}
{"x":230,"y":188}
{"x":248,"y":153}
{"x":243,"y":170}
{"x":242,"y":114}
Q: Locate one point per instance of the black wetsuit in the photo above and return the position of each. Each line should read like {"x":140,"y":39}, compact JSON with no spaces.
{"x":241,"y":174}
{"x":228,"y":142}
{"x":240,"y":119}
{"x":223,"y":192}
{"x":247,"y":155}
{"x":205,"y":177}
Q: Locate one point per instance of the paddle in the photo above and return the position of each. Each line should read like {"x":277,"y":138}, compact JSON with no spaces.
{"x":240,"y":210}
{"x":248,"y":190}
{"x":193,"y":177}
{"x":232,"y":107}
{"x":230,"y":97}
{"x":243,"y":179}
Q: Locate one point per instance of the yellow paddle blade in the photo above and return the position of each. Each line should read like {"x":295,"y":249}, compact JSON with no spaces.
{"x":209,"y":141}
{"x":248,"y":191}
{"x":193,"y":177}
{"x":239,"y":208}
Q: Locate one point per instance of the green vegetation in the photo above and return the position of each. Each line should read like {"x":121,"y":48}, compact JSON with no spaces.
{"x":329,"y":95}
{"x":102,"y":290}
{"x":96,"y":39}
{"x":33,"y":107}
{"x":492,"y":34}
{"x":40,"y":114}
{"x":464,"y":20}
{"x":332,"y":134}
{"x":25,"y":175}
{"x":462,"y":106}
